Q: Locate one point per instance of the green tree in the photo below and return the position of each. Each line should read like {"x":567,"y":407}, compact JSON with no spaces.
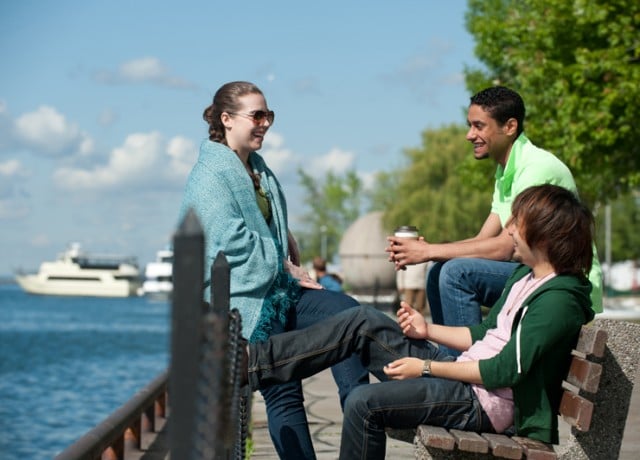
{"x":576,"y":63}
{"x":625,"y":226}
{"x":383,"y":194}
{"x":333,"y":203}
{"x":443,"y":190}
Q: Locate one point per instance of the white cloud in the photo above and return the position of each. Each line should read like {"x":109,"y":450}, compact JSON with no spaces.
{"x":10,"y":168}
{"x":143,"y":70}
{"x":135,"y":160}
{"x":368,"y":179}
{"x":283,"y":161}
{"x":335,"y":160}
{"x":279,"y":159}
{"x":182,"y":153}
{"x":145,"y":159}
{"x":48,"y":131}
{"x":147,"y":68}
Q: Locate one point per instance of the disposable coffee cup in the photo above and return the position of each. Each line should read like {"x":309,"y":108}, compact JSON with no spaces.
{"x":406,"y":231}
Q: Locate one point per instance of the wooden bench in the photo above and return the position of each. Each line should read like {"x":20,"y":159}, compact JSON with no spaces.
{"x":597,"y":378}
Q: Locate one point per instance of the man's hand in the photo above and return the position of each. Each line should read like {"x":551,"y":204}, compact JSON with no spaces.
{"x":412,"y":322}
{"x":407,"y":251}
{"x":404,"y":368}
{"x":303,"y":277}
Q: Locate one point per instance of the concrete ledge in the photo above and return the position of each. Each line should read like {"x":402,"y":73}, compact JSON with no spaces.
{"x":620,"y":369}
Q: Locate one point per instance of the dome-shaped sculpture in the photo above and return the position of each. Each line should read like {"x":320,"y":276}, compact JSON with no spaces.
{"x":365,"y":264}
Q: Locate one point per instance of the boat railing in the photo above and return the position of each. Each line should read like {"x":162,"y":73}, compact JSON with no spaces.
{"x":209,"y":411}
{"x":105,"y":262}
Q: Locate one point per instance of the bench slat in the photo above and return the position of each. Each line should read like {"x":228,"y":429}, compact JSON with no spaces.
{"x":469,"y":441}
{"x":576,"y":410}
{"x":584,"y":374}
{"x":592,"y":341}
{"x":503,"y":446}
{"x":535,"y":450}
{"x":435,"y":436}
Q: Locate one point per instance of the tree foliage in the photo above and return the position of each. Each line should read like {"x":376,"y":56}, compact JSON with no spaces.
{"x":625,"y":222}
{"x":576,"y":63}
{"x":333,"y":203}
{"x":383,"y":194}
{"x":443,"y":190}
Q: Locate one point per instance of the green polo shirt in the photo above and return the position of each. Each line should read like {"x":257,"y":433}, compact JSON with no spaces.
{"x":529,"y":165}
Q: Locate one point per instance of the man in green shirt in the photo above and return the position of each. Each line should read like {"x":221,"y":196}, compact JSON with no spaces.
{"x":471,"y":273}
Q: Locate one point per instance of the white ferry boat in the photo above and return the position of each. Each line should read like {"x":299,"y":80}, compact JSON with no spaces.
{"x":158,"y":275}
{"x":76,"y":273}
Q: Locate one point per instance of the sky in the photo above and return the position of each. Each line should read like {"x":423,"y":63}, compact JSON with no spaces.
{"x":101,"y":105}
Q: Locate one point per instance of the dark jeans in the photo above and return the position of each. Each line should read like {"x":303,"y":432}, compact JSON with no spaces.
{"x":458,"y":288}
{"x":288,"y":425}
{"x":377,"y":340}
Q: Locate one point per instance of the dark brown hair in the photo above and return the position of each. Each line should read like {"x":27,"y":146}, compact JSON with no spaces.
{"x":553,"y":219}
{"x":502,"y":104}
{"x":226,"y":100}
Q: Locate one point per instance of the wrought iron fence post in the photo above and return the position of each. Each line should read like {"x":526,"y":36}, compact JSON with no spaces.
{"x":186,"y":334}
{"x":210,"y":412}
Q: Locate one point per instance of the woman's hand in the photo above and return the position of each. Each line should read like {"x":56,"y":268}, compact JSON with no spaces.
{"x":412,"y":322}
{"x":303,"y":277}
{"x":404,"y":368}
{"x":294,"y":252}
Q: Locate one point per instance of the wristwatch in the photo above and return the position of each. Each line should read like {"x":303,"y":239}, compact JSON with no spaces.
{"x":426,"y":367}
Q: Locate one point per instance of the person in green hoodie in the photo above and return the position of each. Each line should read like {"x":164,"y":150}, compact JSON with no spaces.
{"x":508,"y":376}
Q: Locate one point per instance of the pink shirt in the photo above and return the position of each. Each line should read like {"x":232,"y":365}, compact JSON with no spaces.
{"x":498,"y":404}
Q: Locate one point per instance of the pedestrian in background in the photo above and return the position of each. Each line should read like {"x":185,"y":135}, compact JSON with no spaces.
{"x":327,"y":280}
{"x":411,"y":284}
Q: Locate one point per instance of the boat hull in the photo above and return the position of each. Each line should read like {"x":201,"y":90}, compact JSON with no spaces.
{"x":159,"y":276}
{"x":98,"y":287}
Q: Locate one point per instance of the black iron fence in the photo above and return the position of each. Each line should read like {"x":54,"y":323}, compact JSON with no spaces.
{"x":209,"y":410}
{"x":124,"y":429}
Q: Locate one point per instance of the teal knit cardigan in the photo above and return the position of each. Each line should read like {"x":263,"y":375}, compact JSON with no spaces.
{"x":222,"y":195}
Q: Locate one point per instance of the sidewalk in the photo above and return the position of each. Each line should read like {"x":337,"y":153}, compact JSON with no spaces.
{"x":325,"y":422}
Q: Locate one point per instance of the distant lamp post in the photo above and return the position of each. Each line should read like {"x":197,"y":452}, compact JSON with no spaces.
{"x":607,"y":249}
{"x":323,"y":241}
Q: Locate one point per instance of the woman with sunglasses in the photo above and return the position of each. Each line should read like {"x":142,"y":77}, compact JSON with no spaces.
{"x":243,"y":211}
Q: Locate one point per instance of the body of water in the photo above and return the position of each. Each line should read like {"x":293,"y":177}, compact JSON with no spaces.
{"x":66,"y":363}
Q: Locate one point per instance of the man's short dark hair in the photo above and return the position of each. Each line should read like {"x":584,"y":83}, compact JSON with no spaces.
{"x":502,"y":104}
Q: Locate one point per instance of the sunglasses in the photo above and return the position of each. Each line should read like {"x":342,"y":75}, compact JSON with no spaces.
{"x":258,"y":117}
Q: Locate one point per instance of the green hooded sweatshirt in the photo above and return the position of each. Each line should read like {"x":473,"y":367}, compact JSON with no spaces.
{"x":536,"y":358}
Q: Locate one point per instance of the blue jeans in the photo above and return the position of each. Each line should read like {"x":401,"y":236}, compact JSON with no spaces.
{"x":457,"y":288}
{"x":288,"y":425}
{"x":377,"y":340}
